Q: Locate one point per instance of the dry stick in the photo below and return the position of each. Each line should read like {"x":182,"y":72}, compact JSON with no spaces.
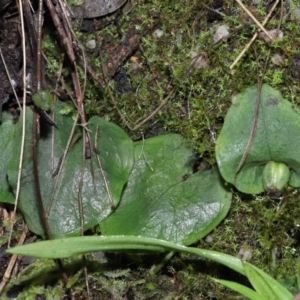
{"x":61,"y":163}
{"x":65,"y":37}
{"x":53,"y":135}
{"x":10,"y":80}
{"x":86,"y":275}
{"x":69,"y":145}
{"x":79,"y":195}
{"x":280,"y":19}
{"x":94,"y":75}
{"x":60,"y":28}
{"x":150,"y":67}
{"x":80,"y":108}
{"x":255,"y":119}
{"x":80,"y":206}
{"x":23,"y":122}
{"x":23,"y":116}
{"x":163,"y":101}
{"x":65,"y":10}
{"x":254,"y":36}
{"x":255,"y":20}
{"x":102,"y":171}
{"x":109,"y":89}
{"x":30,"y":24}
{"x":12,"y":261}
{"x":66,"y":15}
{"x":36,"y":138}
{"x":74,"y":74}
{"x":253,"y":127}
{"x":36,"y":125}
{"x":86,"y":135}
{"x":21,"y":241}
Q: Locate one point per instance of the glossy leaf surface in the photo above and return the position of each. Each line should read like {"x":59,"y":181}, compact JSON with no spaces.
{"x":276,"y":139}
{"x":164,"y":200}
{"x":77,"y":181}
{"x":8,"y":134}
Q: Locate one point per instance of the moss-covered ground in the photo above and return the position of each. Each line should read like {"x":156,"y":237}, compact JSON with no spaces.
{"x":200,"y":98}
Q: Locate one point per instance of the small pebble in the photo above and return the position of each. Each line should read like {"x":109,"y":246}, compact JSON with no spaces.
{"x":199,"y":60}
{"x":245,"y":254}
{"x":220,"y":32}
{"x":91,"y":44}
{"x":277,"y":59}
{"x":209,"y":238}
{"x":158,"y":33}
{"x":272,"y":33}
{"x":13,"y":83}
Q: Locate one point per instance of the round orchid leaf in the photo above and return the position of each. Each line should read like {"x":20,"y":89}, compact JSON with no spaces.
{"x":163,"y":198}
{"x":86,"y":189}
{"x":276,"y":138}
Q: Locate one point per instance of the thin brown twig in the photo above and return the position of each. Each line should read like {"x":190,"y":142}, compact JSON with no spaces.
{"x":36,"y":129}
{"x":112,"y":204}
{"x":64,"y":34}
{"x":30,"y":25}
{"x":64,"y":14}
{"x":254,"y":36}
{"x":150,"y":116}
{"x":10,"y":79}
{"x":79,"y":194}
{"x":12,"y":261}
{"x":280,"y":18}
{"x":255,"y":117}
{"x":61,"y":163}
{"x":261,"y":26}
{"x":155,"y":111}
{"x":23,"y":121}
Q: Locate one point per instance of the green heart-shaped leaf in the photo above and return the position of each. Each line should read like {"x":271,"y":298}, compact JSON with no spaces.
{"x":164,"y":200}
{"x":115,"y":151}
{"x":275,"y":139}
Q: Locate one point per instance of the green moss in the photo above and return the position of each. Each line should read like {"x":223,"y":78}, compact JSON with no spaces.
{"x":202,"y":97}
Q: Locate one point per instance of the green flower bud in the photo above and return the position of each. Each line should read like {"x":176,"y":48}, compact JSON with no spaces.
{"x":275,"y":177}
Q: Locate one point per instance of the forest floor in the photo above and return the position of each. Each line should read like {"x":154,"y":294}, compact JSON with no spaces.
{"x":156,"y":67}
